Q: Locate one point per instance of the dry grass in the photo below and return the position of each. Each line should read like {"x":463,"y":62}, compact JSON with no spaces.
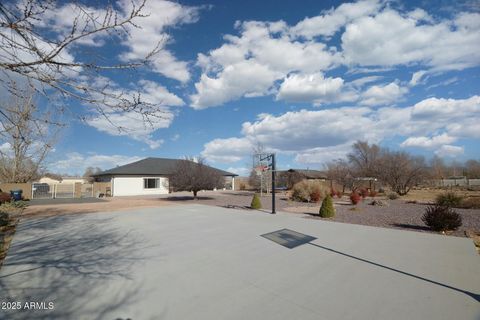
{"x":429,"y":195}
{"x":111,"y":204}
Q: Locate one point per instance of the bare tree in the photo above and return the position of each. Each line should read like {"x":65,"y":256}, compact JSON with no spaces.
{"x":401,"y":171}
{"x":26,"y":140}
{"x":194,"y":175}
{"x":340,"y":171}
{"x":438,"y":168}
{"x":364,"y":159}
{"x":472,"y":168}
{"x":89,"y":172}
{"x":33,"y":50}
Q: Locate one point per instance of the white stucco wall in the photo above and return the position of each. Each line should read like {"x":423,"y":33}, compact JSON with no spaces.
{"x":134,"y":186}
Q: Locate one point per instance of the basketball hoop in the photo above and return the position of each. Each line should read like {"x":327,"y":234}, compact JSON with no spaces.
{"x":260,"y":169}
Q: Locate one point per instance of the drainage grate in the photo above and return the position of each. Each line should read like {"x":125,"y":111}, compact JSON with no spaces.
{"x":288,"y":238}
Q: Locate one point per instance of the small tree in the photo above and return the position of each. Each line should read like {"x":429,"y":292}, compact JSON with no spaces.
{"x":89,"y":172}
{"x":327,"y":210}
{"x":256,"y":203}
{"x":194,"y":175}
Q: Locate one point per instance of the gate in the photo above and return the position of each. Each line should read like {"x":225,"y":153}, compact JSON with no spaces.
{"x":51,"y":191}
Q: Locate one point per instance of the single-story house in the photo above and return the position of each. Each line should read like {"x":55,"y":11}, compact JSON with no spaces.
{"x":149,"y":176}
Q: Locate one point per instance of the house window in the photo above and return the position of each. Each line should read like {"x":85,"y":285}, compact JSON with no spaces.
{"x":151,"y":183}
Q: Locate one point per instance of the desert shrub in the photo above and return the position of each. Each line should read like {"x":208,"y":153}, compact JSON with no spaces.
{"x":14,"y":205}
{"x":470,"y":203}
{"x":256,"y":203}
{"x":449,"y":199}
{"x":327,"y":210}
{"x":339,"y":194}
{"x":381,"y":190}
{"x":315,"y":195}
{"x":308,"y":191}
{"x":355,"y":198}
{"x":392,"y":196}
{"x":5,"y":197}
{"x":373,"y":194}
{"x":363,"y":193}
{"x":441,"y":218}
{"x":333,"y":192}
{"x":4,"y":219}
{"x":379,"y":203}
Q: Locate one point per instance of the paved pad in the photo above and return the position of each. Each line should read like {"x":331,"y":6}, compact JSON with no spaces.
{"x":202,"y":262}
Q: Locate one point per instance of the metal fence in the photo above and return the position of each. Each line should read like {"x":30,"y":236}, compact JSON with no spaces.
{"x":61,"y":190}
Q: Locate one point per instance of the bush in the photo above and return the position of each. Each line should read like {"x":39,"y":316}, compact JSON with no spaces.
{"x":355,"y":198}
{"x":4,"y":219}
{"x":449,"y":199}
{"x":373,"y":194}
{"x":327,"y":210}
{"x":381,"y":190}
{"x":441,"y":218}
{"x":333,"y":192}
{"x":242,"y":186}
{"x":308,"y":191}
{"x":14,"y":205}
{"x":256,"y":203}
{"x":339,"y":194}
{"x":5,"y":197}
{"x":363,"y":192}
{"x":392,"y":196}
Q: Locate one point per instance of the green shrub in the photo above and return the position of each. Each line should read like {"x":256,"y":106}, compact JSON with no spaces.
{"x":449,"y":199}
{"x":392,"y":196}
{"x":256,"y":203}
{"x":308,"y":191}
{"x":441,"y":218}
{"x":327,"y":210}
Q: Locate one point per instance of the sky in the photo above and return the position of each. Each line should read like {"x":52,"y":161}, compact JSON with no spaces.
{"x":304,"y":79}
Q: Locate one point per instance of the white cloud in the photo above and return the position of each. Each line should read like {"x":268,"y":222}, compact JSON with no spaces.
{"x":426,"y":142}
{"x":76,"y":163}
{"x":134,"y":124}
{"x":374,"y":38}
{"x":417,"y":77}
{"x":319,"y":136}
{"x":249,"y":64}
{"x":330,"y":22}
{"x":314,"y":88}
{"x":449,"y":151}
{"x":160,"y":15}
{"x":390,"y":38}
{"x":383,"y":94}
{"x":227,"y":150}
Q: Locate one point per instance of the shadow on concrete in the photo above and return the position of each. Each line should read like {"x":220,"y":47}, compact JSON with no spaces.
{"x":187,"y":198}
{"x":83,"y":266}
{"x":411,"y":227}
{"x":473,"y":295}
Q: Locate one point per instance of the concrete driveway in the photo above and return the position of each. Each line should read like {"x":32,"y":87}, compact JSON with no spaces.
{"x":202,"y":262}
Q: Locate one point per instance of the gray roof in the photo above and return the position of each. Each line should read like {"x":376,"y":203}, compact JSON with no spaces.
{"x":150,"y":166}
{"x":310,"y":174}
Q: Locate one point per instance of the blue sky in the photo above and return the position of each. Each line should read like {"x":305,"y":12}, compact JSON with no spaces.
{"x":304,"y":79}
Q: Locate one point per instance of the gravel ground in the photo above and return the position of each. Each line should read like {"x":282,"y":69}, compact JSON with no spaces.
{"x":398,"y":214}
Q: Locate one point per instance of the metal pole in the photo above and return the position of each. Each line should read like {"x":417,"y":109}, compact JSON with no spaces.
{"x":273,"y":183}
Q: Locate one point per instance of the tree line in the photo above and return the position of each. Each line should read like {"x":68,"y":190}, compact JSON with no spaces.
{"x":399,"y":170}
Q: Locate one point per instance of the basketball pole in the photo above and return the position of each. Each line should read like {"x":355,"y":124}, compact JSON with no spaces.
{"x":273,"y":183}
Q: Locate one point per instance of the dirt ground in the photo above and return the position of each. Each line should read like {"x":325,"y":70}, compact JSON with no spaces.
{"x":110,"y":204}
